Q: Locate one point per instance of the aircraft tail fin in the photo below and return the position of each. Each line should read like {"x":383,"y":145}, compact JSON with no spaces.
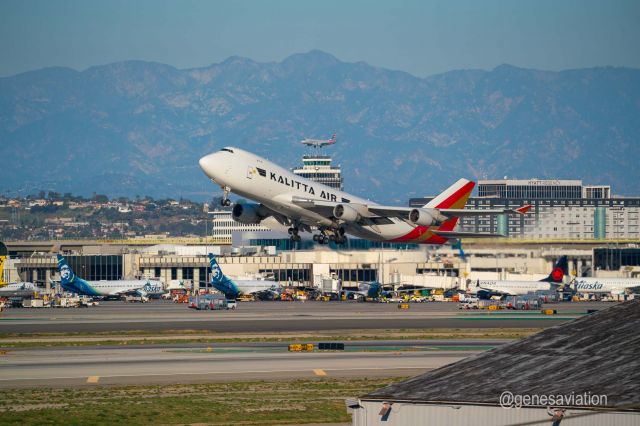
{"x":66,"y":273}
{"x":220,"y":281}
{"x":454,"y":197}
{"x":560,"y":269}
{"x":333,"y":139}
{"x":217,"y":276}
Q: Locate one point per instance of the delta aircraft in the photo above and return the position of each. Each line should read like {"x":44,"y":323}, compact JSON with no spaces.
{"x":72,"y":283}
{"x":232,"y":289}
{"x":305,"y":205}
{"x":485,"y":289}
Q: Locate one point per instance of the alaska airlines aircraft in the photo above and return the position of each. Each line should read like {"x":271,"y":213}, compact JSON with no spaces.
{"x":614,"y":286}
{"x":487,"y":288}
{"x":302,"y":204}
{"x":74,"y":284}
{"x":232,"y":289}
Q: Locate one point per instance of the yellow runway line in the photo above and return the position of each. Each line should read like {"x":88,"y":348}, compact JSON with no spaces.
{"x":319,"y":372}
{"x":93,"y":379}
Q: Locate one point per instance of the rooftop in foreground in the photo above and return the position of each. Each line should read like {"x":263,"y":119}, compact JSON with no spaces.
{"x":595,"y":354}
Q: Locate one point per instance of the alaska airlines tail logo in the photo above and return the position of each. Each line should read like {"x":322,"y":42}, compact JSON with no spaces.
{"x":66,"y":273}
{"x":216,"y":272}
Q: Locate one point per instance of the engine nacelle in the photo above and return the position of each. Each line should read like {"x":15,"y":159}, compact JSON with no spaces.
{"x":247,"y":213}
{"x":424,"y":217}
{"x":346,"y":213}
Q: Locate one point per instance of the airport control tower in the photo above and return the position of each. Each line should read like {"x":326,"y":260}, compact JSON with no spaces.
{"x":317,"y":167}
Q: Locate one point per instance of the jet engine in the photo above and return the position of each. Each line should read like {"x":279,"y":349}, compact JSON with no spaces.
{"x":248,"y":213}
{"x":346,"y":213}
{"x":424,"y":217}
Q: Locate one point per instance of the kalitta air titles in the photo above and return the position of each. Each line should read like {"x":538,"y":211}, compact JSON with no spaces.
{"x":301,"y":185}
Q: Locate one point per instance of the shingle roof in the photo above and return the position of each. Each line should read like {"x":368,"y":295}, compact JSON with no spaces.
{"x":597,"y":353}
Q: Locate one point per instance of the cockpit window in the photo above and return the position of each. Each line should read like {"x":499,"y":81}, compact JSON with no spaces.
{"x":227,"y":149}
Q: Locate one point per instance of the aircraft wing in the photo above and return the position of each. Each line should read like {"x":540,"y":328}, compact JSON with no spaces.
{"x":403,"y":212}
{"x":325,"y":208}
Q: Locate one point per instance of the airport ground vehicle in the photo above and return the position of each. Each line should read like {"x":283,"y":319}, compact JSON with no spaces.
{"x":211,"y":302}
{"x":133,"y":299}
{"x":468,"y":304}
{"x":33,"y":303}
{"x":86,"y":302}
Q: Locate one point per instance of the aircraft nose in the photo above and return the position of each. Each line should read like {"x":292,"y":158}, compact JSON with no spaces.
{"x":208,"y":164}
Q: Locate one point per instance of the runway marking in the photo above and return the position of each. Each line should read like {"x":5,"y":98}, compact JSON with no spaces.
{"x":319,"y":372}
{"x":222,"y":372}
{"x":93,"y":379}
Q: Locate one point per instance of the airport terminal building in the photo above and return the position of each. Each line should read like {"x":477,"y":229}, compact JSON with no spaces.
{"x":562,"y":209}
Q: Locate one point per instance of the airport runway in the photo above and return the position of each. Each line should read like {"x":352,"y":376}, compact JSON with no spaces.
{"x":225,"y":362}
{"x":262,"y":317}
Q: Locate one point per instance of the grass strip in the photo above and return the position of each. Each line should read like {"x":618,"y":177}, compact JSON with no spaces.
{"x":15,"y":341}
{"x":238,"y":403}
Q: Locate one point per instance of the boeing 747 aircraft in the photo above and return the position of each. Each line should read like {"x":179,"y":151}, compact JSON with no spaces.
{"x":304,"y":205}
{"x":74,"y":284}
{"x":232,"y":289}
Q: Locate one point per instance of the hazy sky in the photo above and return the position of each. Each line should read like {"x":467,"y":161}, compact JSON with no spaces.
{"x":421,"y":37}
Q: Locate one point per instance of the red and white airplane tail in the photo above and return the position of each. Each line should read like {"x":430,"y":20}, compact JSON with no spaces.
{"x":454,"y":197}
{"x":332,"y":140}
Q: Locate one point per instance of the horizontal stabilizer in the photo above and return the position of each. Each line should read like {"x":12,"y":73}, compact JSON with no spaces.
{"x":482,"y":212}
{"x":456,"y":234}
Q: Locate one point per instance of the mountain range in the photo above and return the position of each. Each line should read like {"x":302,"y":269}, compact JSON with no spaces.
{"x":139,"y":128}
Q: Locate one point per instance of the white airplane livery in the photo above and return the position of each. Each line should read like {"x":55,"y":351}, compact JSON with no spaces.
{"x":613,"y":286}
{"x":234,"y":288}
{"x":487,"y":288}
{"x":304,"y":205}
{"x":318,"y":143}
{"x":72,"y":283}
{"x":18,"y":289}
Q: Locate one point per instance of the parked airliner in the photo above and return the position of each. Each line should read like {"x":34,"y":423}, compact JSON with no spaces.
{"x":74,"y":284}
{"x":599,"y":286}
{"x":485,"y":289}
{"x":304,"y":205}
{"x":21,"y":289}
{"x":234,"y":288}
